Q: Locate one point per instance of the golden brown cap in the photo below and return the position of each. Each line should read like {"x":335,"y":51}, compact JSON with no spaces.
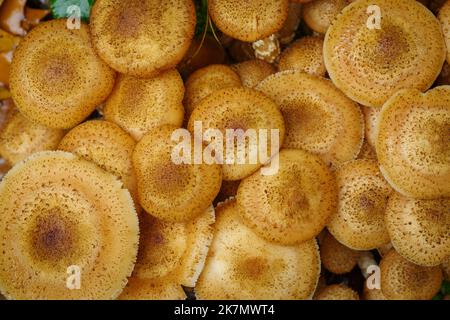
{"x":319,"y":14}
{"x":372,"y":294}
{"x":336,"y":257}
{"x":253,"y":71}
{"x":337,"y":292}
{"x":371,"y":116}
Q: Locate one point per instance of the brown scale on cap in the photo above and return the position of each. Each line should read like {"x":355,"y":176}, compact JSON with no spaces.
{"x":252,"y":72}
{"x":336,"y":257}
{"x":241,"y":265}
{"x":57,"y":210}
{"x":370,"y":65}
{"x":293,"y":205}
{"x":403,"y":280}
{"x":142,"y":37}
{"x":319,"y":14}
{"x":419,"y":229}
{"x":413,"y":142}
{"x":56,"y":86}
{"x":337,"y":292}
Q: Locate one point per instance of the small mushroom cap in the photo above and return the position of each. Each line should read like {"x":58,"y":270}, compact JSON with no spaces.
{"x":363,"y":194}
{"x":319,"y":14}
{"x":248,"y":20}
{"x":253,"y":71}
{"x":57,"y":211}
{"x":336,"y":257}
{"x":372,"y":64}
{"x":319,"y":118}
{"x":444,"y":19}
{"x":403,"y":280}
{"x":293,"y":205}
{"x":241,"y":265}
{"x":337,"y":292}
{"x":56,"y":86}
{"x":372,"y":294}
{"x":240,"y":109}
{"x":138,"y":105}
{"x":20,"y":138}
{"x":306,"y":55}
{"x":142,"y":37}
{"x":413,"y":142}
{"x":419,"y":229}
{"x":371,"y":116}
{"x":169,"y":191}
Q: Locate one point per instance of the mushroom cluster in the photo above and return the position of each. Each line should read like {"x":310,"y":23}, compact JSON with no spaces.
{"x":225,"y":149}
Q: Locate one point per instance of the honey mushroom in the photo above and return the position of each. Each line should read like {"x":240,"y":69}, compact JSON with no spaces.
{"x":419,"y":229}
{"x":241,"y":265}
{"x":293,"y":205}
{"x":319,"y":118}
{"x":319,"y":14}
{"x":58,"y":211}
{"x":253,"y":71}
{"x":374,"y":63}
{"x":170,"y":255}
{"x":138,"y":105}
{"x":337,"y":292}
{"x":336,"y":257}
{"x":167,"y":190}
{"x":54,"y":86}
{"x":288,"y":32}
{"x":413,"y":144}
{"x":142,"y":37}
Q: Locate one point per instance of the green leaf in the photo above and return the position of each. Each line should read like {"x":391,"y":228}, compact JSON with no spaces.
{"x":201,"y":9}
{"x":60,"y":8}
{"x":445,"y":288}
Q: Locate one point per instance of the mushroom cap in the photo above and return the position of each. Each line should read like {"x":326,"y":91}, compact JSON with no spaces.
{"x":248,"y":20}
{"x":419,"y":229}
{"x":319,"y":14}
{"x":55,"y":86}
{"x":171,"y":254}
{"x":444,"y":19}
{"x":337,"y":292}
{"x":372,"y":64}
{"x":169,"y":191}
{"x":319,"y":118}
{"x":306,"y":55}
{"x":403,"y":280}
{"x":138,"y":105}
{"x":205,"y":81}
{"x":372,"y":294}
{"x":20,"y":138}
{"x":142,"y":37}
{"x":240,"y":109}
{"x":371,"y":116}
{"x":56,"y":211}
{"x":336,"y":257}
{"x":253,"y":71}
{"x":363,"y":194}
{"x":413,"y":144}
{"x":293,"y":205}
{"x":241,"y":265}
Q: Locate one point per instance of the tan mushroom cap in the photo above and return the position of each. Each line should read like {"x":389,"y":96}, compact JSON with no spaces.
{"x":241,"y":265}
{"x":169,"y":191}
{"x":240,"y":109}
{"x":336,"y":257}
{"x":293,"y":205}
{"x":57,"y":211}
{"x":372,"y":64}
{"x":288,"y":32}
{"x":253,"y":71}
{"x":306,"y":55}
{"x":205,"y":81}
{"x":337,"y":292}
{"x":371,"y":116}
{"x":363,"y":194}
{"x":413,"y":142}
{"x":138,"y":105}
{"x":319,"y":118}
{"x":56,"y":78}
{"x":248,"y":20}
{"x":142,"y":37}
{"x":21,"y":138}
{"x":319,"y":14}
{"x":419,"y":229}
{"x":444,"y":19}
{"x":372,"y":294}
{"x":170,"y":255}
{"x":403,"y":280}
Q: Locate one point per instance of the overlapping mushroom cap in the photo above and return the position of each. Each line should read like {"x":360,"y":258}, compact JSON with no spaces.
{"x":336,"y":257}
{"x":319,"y":14}
{"x":370,"y":64}
{"x":413,"y":142}
{"x":58,"y":212}
{"x":371,"y":116}
{"x":56,"y":78}
{"x":253,"y":71}
{"x":337,"y":292}
{"x":444,"y":19}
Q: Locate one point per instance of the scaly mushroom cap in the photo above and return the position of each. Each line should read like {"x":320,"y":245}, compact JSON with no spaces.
{"x":170,"y":255}
{"x":248,"y":20}
{"x":371,"y":116}
{"x":253,"y":71}
{"x":240,"y":109}
{"x":319,"y":14}
{"x":363,"y":194}
{"x":336,"y":257}
{"x":419,"y":229}
{"x":138,"y":105}
{"x":372,"y":294}
{"x":241,"y":265}
{"x":57,"y":211}
{"x":337,"y":292}
{"x":444,"y":19}
{"x":403,"y":280}
{"x":56,"y":78}
{"x":142,"y":37}
{"x":413,"y":142}
{"x":20,"y":138}
{"x":293,"y":205}
{"x":169,"y":191}
{"x":319,"y":118}
{"x":370,"y":65}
